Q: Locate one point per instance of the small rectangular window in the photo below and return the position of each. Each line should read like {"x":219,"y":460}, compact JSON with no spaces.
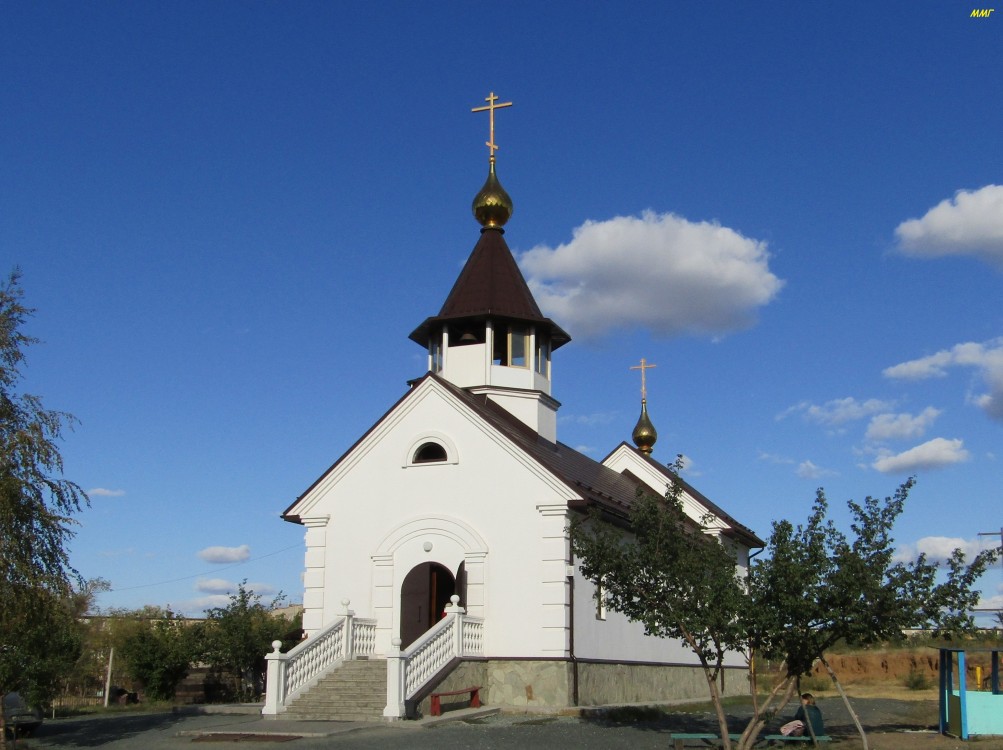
{"x":517,"y":346}
{"x":542,"y":355}
{"x":499,"y":346}
{"x":435,"y":355}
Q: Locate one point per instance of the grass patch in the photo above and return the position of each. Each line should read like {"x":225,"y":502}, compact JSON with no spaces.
{"x":917,"y":680}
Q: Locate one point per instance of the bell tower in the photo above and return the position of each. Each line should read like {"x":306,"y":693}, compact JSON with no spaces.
{"x":490,"y":336}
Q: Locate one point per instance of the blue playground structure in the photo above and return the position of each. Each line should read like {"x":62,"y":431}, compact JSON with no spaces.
{"x":967,"y":713}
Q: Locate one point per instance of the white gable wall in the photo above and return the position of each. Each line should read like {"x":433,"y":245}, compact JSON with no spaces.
{"x":488,"y":505}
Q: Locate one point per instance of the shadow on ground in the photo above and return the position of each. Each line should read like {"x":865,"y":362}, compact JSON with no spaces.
{"x":875,"y":714}
{"x":94,"y":731}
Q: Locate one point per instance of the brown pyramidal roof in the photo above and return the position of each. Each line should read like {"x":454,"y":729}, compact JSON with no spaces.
{"x":491,"y":286}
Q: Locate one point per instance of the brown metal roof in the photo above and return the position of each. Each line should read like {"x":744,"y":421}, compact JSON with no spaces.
{"x":491,"y":286}
{"x":598,"y":485}
{"x":743,"y":532}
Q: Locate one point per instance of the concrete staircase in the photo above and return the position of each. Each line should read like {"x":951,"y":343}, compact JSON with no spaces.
{"x":355,"y":691}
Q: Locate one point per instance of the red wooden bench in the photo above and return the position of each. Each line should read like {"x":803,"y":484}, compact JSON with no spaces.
{"x":475,"y":698}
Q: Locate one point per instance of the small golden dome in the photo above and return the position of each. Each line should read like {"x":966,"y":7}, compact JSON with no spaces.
{"x":644,"y":434}
{"x":492,"y":206}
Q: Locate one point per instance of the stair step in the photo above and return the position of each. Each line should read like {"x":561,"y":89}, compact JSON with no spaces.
{"x":356,"y":691}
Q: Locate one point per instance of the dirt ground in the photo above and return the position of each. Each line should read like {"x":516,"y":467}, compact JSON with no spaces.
{"x":893,"y":718}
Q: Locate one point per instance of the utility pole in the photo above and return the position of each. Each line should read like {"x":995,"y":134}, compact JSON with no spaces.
{"x":995,"y":533}
{"x":107,"y":679}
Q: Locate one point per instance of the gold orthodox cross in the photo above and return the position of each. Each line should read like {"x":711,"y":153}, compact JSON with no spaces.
{"x":642,"y":367}
{"x":493,"y":104}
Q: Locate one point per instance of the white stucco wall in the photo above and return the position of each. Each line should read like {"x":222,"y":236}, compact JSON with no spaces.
{"x":616,"y":638}
{"x":375,"y":516}
{"x":488,"y":506}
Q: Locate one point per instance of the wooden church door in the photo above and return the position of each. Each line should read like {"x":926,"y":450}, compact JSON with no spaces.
{"x":424,"y":595}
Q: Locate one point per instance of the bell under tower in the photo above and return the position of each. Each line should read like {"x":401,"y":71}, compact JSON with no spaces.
{"x":490,"y":336}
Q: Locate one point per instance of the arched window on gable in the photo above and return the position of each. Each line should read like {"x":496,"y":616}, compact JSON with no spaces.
{"x":428,"y":453}
{"x":431,"y":447}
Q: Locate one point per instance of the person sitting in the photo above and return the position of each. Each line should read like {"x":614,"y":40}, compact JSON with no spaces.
{"x":807,"y":712}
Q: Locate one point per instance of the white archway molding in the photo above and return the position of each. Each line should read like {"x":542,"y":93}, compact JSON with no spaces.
{"x":432,"y":538}
{"x":432,"y":525}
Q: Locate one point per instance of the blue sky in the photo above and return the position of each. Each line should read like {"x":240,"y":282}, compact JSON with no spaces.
{"x":230,"y":216}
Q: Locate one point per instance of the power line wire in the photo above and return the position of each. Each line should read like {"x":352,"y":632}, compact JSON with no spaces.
{"x":199,"y":575}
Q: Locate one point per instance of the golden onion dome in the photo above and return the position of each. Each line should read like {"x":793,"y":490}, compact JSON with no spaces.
{"x":644,"y":434}
{"x":492,"y":206}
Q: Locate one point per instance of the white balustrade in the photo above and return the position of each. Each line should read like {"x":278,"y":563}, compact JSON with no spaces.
{"x":291,"y":673}
{"x":454,"y":636}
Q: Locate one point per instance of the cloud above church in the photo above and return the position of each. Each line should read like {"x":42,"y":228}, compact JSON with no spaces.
{"x":655,"y":271}
{"x":971,"y":223}
{"x":214,"y":586}
{"x":902,"y":426}
{"x":985,"y":358}
{"x":225,"y":554}
{"x":105,"y":492}
{"x":933,"y":454}
{"x":940,"y":548}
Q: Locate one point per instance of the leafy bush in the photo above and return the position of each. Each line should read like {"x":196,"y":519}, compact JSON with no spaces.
{"x":158,"y":655}
{"x":917,"y":680}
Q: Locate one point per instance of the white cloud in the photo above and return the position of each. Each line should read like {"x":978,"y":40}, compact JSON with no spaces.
{"x":940,"y":548}
{"x":102,"y":492}
{"x":774,"y":458}
{"x":654,"y":271}
{"x":262,"y":589}
{"x":687,"y":464}
{"x":991,"y":602}
{"x":590,"y":420}
{"x":204,"y":602}
{"x":986,"y":358}
{"x":215,"y":586}
{"x":901,"y":426}
{"x":808,"y":470}
{"x":838,"y":411}
{"x":933,"y":454}
{"x":125,"y":551}
{"x":969,"y":224}
{"x":223,"y":587}
{"x":225,"y":554}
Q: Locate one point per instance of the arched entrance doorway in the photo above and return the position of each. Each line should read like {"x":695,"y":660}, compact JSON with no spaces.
{"x":424,"y":595}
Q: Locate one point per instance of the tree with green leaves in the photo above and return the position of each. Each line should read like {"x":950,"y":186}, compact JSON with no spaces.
{"x":818,"y":586}
{"x":36,"y":505}
{"x":667,"y":573}
{"x":237,"y":637}
{"x":157,"y":651}
{"x":814,"y":587}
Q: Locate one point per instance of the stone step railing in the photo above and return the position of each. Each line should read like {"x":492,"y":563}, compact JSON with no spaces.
{"x":292,"y":673}
{"x":455,"y":636}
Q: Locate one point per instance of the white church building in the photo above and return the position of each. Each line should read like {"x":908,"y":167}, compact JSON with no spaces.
{"x":437,"y":546}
